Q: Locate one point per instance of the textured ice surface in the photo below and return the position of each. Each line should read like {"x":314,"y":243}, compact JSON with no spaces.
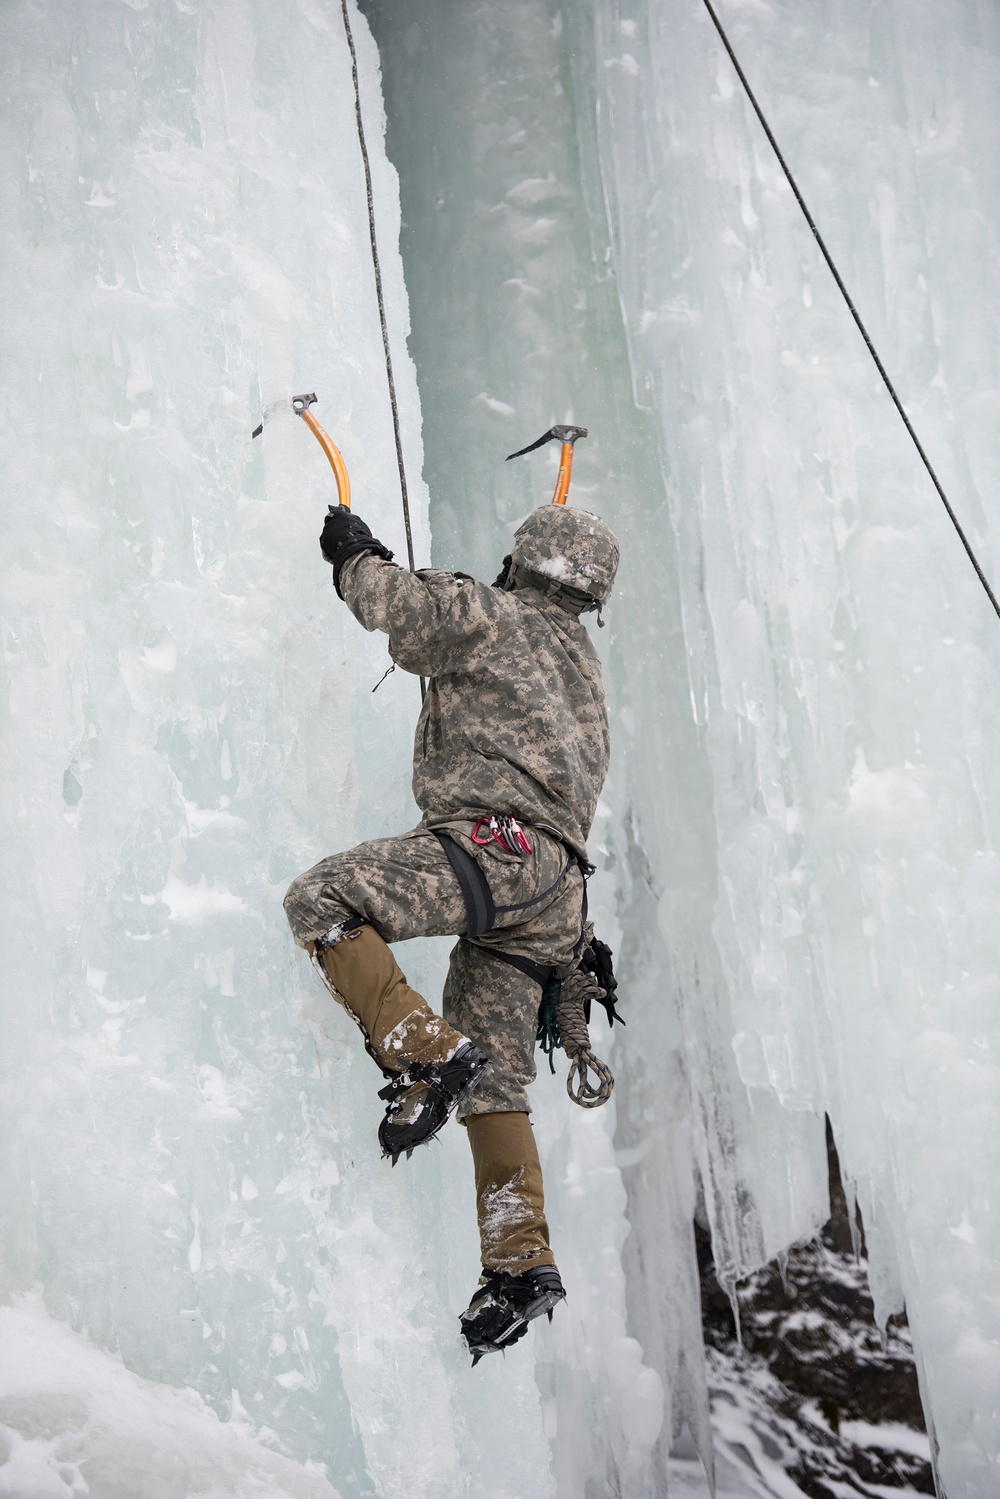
{"x":842,"y":657}
{"x":797,"y":845}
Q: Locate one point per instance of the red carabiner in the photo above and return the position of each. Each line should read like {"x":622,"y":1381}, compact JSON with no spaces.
{"x":506,"y":831}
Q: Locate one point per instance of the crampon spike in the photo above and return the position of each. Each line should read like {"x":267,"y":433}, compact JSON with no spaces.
{"x":420,"y":1101}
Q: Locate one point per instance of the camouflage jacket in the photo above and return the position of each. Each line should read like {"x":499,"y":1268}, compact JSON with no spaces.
{"x":514,"y":720}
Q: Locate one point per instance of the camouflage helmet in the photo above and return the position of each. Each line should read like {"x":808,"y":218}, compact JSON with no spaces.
{"x":568,"y":554}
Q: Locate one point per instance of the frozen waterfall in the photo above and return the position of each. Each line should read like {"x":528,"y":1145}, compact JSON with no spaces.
{"x":209,"y":1283}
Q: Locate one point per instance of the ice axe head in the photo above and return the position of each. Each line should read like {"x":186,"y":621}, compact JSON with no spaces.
{"x":300,"y":406}
{"x":567,"y":436}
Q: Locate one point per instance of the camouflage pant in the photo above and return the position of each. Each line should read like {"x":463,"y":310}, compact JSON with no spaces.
{"x":405,"y":887}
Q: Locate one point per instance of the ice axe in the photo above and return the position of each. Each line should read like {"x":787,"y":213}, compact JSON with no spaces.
{"x":567,"y":436}
{"x":300,"y":406}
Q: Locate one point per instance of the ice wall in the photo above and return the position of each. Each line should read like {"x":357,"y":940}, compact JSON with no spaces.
{"x":842,"y":653}
{"x":178,"y":736}
{"x":802,"y":812}
{"x":796,"y":845}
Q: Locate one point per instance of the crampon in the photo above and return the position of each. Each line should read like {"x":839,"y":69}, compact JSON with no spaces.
{"x":504,"y":1304}
{"x":420,"y":1101}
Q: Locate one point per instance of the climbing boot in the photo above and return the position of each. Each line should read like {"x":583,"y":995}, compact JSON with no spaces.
{"x":431,"y":1066}
{"x":420,"y":1101}
{"x":503,"y":1305}
{"x":513,"y":1233}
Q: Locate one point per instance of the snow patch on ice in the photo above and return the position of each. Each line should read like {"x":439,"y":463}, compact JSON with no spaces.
{"x":75,"y":1422}
{"x":491,"y":403}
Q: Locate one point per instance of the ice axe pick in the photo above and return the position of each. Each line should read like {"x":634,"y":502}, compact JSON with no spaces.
{"x":567,"y":436}
{"x":300,"y":406}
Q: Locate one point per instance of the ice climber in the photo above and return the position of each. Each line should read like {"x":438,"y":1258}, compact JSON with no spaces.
{"x":510,"y":754}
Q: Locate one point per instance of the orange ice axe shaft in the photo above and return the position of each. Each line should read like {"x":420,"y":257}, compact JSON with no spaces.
{"x":567,"y":436}
{"x":300,"y":405}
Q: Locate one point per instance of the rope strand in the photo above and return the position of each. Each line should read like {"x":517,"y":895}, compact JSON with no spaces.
{"x":376,"y":264}
{"x":851,"y":307}
{"x":377,"y":267}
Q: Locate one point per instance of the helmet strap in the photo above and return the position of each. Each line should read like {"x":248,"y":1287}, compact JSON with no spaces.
{"x":573,"y":600}
{"x":503,"y":579}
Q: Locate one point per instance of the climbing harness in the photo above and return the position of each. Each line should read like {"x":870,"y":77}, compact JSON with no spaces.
{"x":851,"y":307}
{"x":567,"y":436}
{"x":564,"y":1010}
{"x":480,"y":910}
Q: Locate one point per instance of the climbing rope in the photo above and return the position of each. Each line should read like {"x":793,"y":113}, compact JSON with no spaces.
{"x":571,"y":1021}
{"x":378,"y":286}
{"x":851,"y":307}
{"x":377,"y":267}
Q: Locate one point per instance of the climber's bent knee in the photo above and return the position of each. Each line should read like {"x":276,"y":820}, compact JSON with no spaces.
{"x":313,"y":911}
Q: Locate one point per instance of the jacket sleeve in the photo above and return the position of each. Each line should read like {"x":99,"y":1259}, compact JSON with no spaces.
{"x":436,"y":622}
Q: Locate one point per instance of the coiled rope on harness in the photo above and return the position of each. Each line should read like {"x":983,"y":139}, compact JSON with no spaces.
{"x":571,"y":1020}
{"x":851,"y":307}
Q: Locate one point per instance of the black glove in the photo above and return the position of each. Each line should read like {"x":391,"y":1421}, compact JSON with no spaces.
{"x":344,"y":536}
{"x":502,"y":579}
{"x":596,"y":960}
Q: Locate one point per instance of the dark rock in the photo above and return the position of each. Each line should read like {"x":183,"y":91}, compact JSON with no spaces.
{"x":811,"y":1361}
